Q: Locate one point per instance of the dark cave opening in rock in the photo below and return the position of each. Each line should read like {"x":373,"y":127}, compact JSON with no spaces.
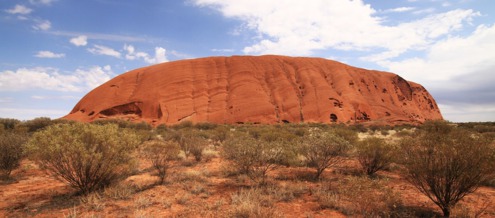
{"x":333,"y":118}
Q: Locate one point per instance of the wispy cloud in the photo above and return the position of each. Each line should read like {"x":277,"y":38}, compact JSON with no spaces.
{"x":56,"y":97}
{"x":424,"y":11}
{"x":42,"y":25}
{"x":27,"y":114}
{"x":159,"y":57}
{"x":103,"y":50}
{"x":228,"y":50}
{"x":49,"y":54}
{"x":19,"y":9}
{"x":42,"y":2}
{"x":103,"y":36}
{"x":51,"y":79}
{"x":399,"y":9}
{"x":288,"y":30}
{"x":79,"y":40}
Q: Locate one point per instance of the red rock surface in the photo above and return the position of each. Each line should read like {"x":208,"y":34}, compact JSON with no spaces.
{"x":257,"y":89}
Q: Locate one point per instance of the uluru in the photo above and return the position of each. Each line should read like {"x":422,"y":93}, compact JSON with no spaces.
{"x":257,"y":89}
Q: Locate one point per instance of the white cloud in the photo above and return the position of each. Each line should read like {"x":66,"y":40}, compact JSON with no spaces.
{"x":458,"y":71}
{"x":51,"y":79}
{"x":424,"y":11}
{"x":102,"y":36}
{"x":58,"y":97}
{"x":340,"y":24}
{"x":399,"y":9}
{"x":103,"y":50}
{"x":27,"y":114}
{"x":79,"y":40}
{"x":159,"y":57}
{"x":19,"y":9}
{"x":42,"y":2}
{"x":451,"y":58}
{"x":42,"y":25}
{"x":222,"y":50}
{"x":49,"y":54}
{"x":463,"y":112}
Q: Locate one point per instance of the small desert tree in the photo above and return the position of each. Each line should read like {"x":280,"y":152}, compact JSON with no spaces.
{"x":446,"y":164}
{"x":190,"y":142}
{"x":323,"y":150}
{"x":161,"y":154}
{"x":374,"y":154}
{"x":11,"y":151}
{"x":86,"y":156}
{"x":254,"y":157}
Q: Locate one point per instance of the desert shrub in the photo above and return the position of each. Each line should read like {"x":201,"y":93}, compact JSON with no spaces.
{"x":37,"y":123}
{"x":271,"y":134}
{"x":9,"y":123}
{"x":254,"y":157}
{"x":359,"y":128}
{"x":87,"y":157}
{"x":365,"y":197}
{"x":205,"y":126}
{"x":183,"y":125}
{"x":190,"y":142}
{"x":11,"y":151}
{"x":323,"y":150}
{"x":446,"y":164}
{"x":196,"y":146}
{"x":346,"y":133}
{"x":161,"y":154}
{"x":374,"y":154}
{"x":219,"y":135}
{"x":252,"y":203}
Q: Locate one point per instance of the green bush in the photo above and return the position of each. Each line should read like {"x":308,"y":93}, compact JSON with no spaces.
{"x":37,"y":123}
{"x":346,"y":133}
{"x":446,"y":164}
{"x":161,"y":154}
{"x":9,"y":123}
{"x":360,"y":197}
{"x":323,"y":150}
{"x":11,"y":151}
{"x":374,"y":154}
{"x":190,"y":142}
{"x":87,"y":157}
{"x":254,"y":157}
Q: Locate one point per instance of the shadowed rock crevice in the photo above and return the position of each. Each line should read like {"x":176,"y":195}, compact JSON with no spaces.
{"x":125,"y":109}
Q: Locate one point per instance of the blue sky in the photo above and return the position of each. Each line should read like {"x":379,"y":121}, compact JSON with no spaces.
{"x":55,"y":51}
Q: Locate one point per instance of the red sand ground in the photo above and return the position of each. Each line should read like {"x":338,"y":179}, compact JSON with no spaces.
{"x":199,"y":190}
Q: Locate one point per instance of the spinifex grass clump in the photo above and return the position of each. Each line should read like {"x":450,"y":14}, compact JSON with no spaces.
{"x":86,"y":156}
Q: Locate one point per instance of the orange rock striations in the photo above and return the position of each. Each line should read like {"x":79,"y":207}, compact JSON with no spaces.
{"x":257,"y":89}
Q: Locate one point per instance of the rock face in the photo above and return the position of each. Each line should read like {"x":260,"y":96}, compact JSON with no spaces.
{"x":257,"y":89}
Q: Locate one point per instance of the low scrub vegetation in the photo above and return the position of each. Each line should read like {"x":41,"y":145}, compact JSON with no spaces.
{"x":161,"y":154}
{"x":254,"y":157}
{"x":11,"y":151}
{"x":446,"y":164}
{"x":323,"y":150}
{"x":252,"y":170}
{"x":374,"y":154}
{"x":88,"y":157}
